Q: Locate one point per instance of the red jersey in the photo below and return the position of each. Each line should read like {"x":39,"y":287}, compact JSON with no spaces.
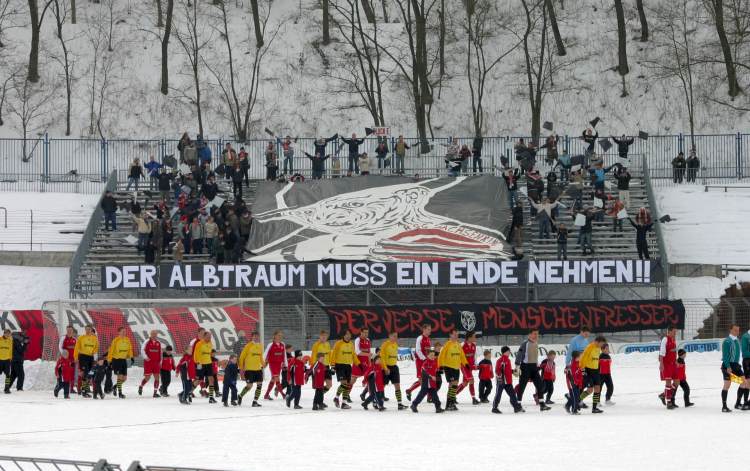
{"x":605,"y":364}
{"x":296,"y":372}
{"x":362,"y":348}
{"x":379,"y":373}
{"x":485,"y":370}
{"x":215,"y":365}
{"x":548,"y":369}
{"x":318,"y":373}
{"x":470,"y":350}
{"x":193,"y":343}
{"x":422,"y":348}
{"x":275,"y":355}
{"x":681,"y":375}
{"x":167,"y":363}
{"x":151,"y":351}
{"x":68,"y":344}
{"x":668,"y":350}
{"x":429,"y":372}
{"x":504,"y":370}
{"x":188,"y":365}
{"x":575,"y":377}
{"x":64,"y":370}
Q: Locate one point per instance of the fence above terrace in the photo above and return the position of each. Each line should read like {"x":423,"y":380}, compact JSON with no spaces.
{"x":83,"y":165}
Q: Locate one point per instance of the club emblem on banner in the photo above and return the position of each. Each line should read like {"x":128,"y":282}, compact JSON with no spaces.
{"x":468,"y":320}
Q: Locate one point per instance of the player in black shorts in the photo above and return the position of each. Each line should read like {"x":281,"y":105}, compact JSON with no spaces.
{"x":730,"y":364}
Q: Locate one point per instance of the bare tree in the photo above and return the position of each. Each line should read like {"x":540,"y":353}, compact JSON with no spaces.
{"x":159,"y":14}
{"x":716,"y":7}
{"x":29,"y":105}
{"x":368,"y":10}
{"x":326,"y":22}
{"x":675,"y":42}
{"x":8,"y":10}
{"x":622,"y":51}
{"x":362,"y":77}
{"x":4,"y":89}
{"x":483,"y":21}
{"x":60,"y":11}
{"x":256,"y":23}
{"x":642,"y":19}
{"x":165,"y":49}
{"x":239,"y":103}
{"x":37,"y":18}
{"x":385,"y":10}
{"x":555,"y":29}
{"x":534,"y":50}
{"x":193,"y":39}
{"x":103,"y":62}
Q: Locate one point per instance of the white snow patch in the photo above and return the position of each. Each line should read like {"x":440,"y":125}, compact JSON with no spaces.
{"x":30,"y":287}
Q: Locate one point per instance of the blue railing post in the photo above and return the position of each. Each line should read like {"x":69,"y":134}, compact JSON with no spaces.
{"x":739,"y":156}
{"x":45,"y":154}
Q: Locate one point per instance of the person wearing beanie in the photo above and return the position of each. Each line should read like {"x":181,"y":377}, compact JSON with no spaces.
{"x":296,"y":380}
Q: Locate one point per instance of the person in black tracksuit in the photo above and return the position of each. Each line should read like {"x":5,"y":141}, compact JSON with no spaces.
{"x":526,"y":361}
{"x":20,"y":342}
{"x":353,"y":144}
{"x":476,"y":152}
{"x":693,"y":165}
{"x":678,"y":167}
{"x":231,"y":372}
{"x":97,"y":375}
{"x":640,"y":238}
{"x":623,"y":145}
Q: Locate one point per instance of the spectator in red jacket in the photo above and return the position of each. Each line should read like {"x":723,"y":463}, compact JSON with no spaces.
{"x":166,"y":369}
{"x":296,"y":378}
{"x":504,"y":382}
{"x":318,"y":373}
{"x":485,"y":377}
{"x":548,"y":376}
{"x":605,"y":372}
{"x":64,"y":371}
{"x":375,"y":375}
{"x":574,"y":380}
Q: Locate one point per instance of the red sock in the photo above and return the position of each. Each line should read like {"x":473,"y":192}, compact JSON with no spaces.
{"x":461,"y":388}
{"x":156,"y":385}
{"x":270,"y":388}
{"x":471,"y":389}
{"x":668,"y":393}
{"x":280,"y":389}
{"x":413,"y":387}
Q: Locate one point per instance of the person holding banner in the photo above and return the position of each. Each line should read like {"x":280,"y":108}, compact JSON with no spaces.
{"x":342,"y":360}
{"x":452,"y":359}
{"x":389,"y":355}
{"x":420,"y":355}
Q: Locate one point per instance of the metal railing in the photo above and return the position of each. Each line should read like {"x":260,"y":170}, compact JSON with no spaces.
{"x":657,"y":224}
{"x":88,"y":235}
{"x":82,"y":165}
{"x":14,"y":463}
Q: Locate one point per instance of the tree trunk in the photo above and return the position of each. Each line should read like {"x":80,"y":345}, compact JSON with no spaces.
{"x":369,"y":12}
{"x":555,"y":30}
{"x":33,"y":73}
{"x":159,"y":16}
{"x":326,"y":21}
{"x":442,"y":38}
{"x":734,"y":86}
{"x":642,"y":18}
{"x":165,"y":48}
{"x":256,"y":24}
{"x":73,"y":12}
{"x":385,"y":11}
{"x":622,"y":52}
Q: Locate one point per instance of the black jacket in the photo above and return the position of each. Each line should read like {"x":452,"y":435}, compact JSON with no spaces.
{"x":20,"y":342}
{"x":517,"y":216}
{"x":318,"y":164}
{"x":623,"y":181}
{"x":320,"y":148}
{"x":353,"y":144}
{"x":231,"y":372}
{"x":641,"y":230}
{"x":210,"y":190}
{"x":109,"y":204}
{"x":165,"y":181}
{"x":623,"y":146}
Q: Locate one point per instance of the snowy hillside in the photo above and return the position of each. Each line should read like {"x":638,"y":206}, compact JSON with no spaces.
{"x":303,"y":84}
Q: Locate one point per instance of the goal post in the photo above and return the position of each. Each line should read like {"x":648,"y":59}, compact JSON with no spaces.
{"x":176,"y":321}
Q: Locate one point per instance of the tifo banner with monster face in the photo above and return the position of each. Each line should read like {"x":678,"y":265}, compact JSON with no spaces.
{"x":381,"y":218}
{"x":175,"y":326}
{"x":507,"y":318}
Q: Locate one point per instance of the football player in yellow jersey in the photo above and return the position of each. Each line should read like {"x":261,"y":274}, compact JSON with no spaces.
{"x":204,"y":364}
{"x":342,"y":359}
{"x":120,"y":351}
{"x":590,"y":364}
{"x":451,"y":359}
{"x":389,"y":355}
{"x":6,"y":355}
{"x":87,"y":346}
{"x":251,"y":366}
{"x":323,"y":346}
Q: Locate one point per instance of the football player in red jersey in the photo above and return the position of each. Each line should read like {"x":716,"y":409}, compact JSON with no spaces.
{"x":420,"y":353}
{"x":668,"y":367}
{"x":68,"y":343}
{"x":470,"y":350}
{"x":151,"y":353}
{"x":275,"y":357}
{"x":362,"y":348}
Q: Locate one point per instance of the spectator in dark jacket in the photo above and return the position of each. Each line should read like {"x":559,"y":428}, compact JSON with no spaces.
{"x":623,"y":145}
{"x":641,"y":229}
{"x":516,"y":225}
{"x":511,"y":180}
{"x":20,"y":342}
{"x":321,"y":143}
{"x":381,"y":152}
{"x":210,"y":189}
{"x":589,"y":138}
{"x":623,"y":185}
{"x":109,"y":206}
{"x":318,"y":165}
{"x":693,"y":165}
{"x":237,"y":178}
{"x":476,"y":152}
{"x":135,"y":173}
{"x":678,"y":168}
{"x":165,"y":183}
{"x":354,"y":144}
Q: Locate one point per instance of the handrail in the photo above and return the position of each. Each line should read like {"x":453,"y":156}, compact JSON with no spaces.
{"x":657,"y":224}
{"x":88,"y":235}
{"x":6,"y":215}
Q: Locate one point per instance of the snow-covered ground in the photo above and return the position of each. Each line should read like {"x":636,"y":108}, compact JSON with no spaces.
{"x":636,"y":433}
{"x":59,"y":219}
{"x":30,"y":287}
{"x":707,"y":227}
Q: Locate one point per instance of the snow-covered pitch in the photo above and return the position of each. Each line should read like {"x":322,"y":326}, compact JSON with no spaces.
{"x":636,"y":433}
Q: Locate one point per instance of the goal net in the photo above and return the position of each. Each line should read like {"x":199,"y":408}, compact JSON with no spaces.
{"x":176,"y":322}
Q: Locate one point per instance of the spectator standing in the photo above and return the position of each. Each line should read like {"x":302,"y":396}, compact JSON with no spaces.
{"x":641,"y":230}
{"x":182,"y":147}
{"x":157,"y":239}
{"x":589,"y":138}
{"x":400,"y":155}
{"x":364,"y":164}
{"x":179,"y":252}
{"x":272,"y":162}
{"x":586,"y":231}
{"x":211,"y":230}
{"x":109,"y":206}
{"x":623,"y":185}
{"x":678,"y":168}
{"x":165,"y":183}
{"x":551,"y":145}
{"x":228,"y":159}
{"x":693,"y":165}
{"x":614,"y":211}
{"x":623,"y":145}
{"x":197,"y":233}
{"x":20,"y":343}
{"x":143,"y":229}
{"x":464,"y":154}
{"x":544,"y":216}
{"x":353,"y":144}
{"x":381,"y":152}
{"x":152,"y":168}
{"x":476,"y":152}
{"x":244,"y":165}
{"x":135,"y":172}
{"x":237,"y":182}
{"x":516,"y":225}
{"x":287,"y":149}
{"x":318,"y":165}
{"x":511,"y":180}
{"x":210,"y":189}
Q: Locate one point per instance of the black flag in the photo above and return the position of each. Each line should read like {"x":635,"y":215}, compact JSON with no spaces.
{"x":594,"y":122}
{"x":643,"y":135}
{"x":547,"y":125}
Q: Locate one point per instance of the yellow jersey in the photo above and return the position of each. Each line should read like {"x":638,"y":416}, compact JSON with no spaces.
{"x":251,"y":358}
{"x":119,"y":349}
{"x":6,"y":348}
{"x":321,"y":347}
{"x":452,"y":356}
{"x":343,"y":354}
{"x":202,"y":353}
{"x":389,"y":354}
{"x":590,"y":357}
{"x":86,"y":345}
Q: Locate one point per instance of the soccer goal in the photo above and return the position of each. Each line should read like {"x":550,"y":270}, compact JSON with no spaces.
{"x":176,"y":321}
